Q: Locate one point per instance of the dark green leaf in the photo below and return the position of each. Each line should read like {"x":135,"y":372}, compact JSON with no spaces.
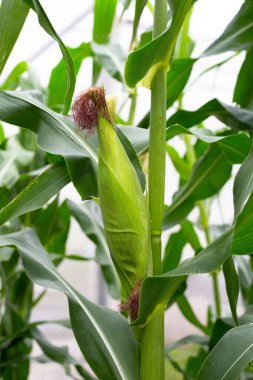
{"x":232,"y":285}
{"x":189,"y":314}
{"x":234,"y":117}
{"x":86,"y":217}
{"x":38,"y":192}
{"x":173,"y":251}
{"x":97,"y":329}
{"x":70,"y":67}
{"x":243,"y":93}
{"x":13,"y":14}
{"x":57,"y":88}
{"x":235,"y":349}
{"x":142,"y":64}
{"x":238,"y":35}
{"x":209,"y":174}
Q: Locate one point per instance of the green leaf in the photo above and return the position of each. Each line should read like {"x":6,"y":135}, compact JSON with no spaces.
{"x":139,"y":7}
{"x":238,"y":35}
{"x":37,"y":192}
{"x":159,"y":289}
{"x":104,"y":13}
{"x":97,"y":329}
{"x":232,"y":285}
{"x":189,"y":314}
{"x":243,"y":93}
{"x":208,"y":176}
{"x":70,"y":67}
{"x":243,"y":237}
{"x":177,"y":78}
{"x":142,"y":64}
{"x":234,"y":117}
{"x":181,"y":165}
{"x":243,"y":184}
{"x":57,"y":88}
{"x":86,"y":217}
{"x":235,"y":349}
{"x":12,"y":81}
{"x":13,"y":14}
{"x":56,"y":135}
{"x":173,"y":251}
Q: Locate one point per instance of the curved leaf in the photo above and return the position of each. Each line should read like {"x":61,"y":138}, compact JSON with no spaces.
{"x":38,"y":192}
{"x":97,"y":329}
{"x":70,"y":67}
{"x":235,"y":349}
{"x":142,"y":64}
{"x":13,"y":14}
{"x":238,"y":35}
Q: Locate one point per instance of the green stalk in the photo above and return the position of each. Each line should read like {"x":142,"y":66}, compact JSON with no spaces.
{"x":190,"y":153}
{"x":132,"y":110}
{"x":152,"y":347}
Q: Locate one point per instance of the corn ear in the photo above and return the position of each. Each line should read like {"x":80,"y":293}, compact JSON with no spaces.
{"x":123,"y":207}
{"x":123,"y":204}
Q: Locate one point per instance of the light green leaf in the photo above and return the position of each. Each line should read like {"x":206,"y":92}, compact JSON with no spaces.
{"x":86,"y":217}
{"x":57,"y":88}
{"x":70,"y":67}
{"x":208,"y":176}
{"x":139,"y":7}
{"x":142,"y":64}
{"x":38,"y":192}
{"x":159,"y":289}
{"x":97,"y":329}
{"x":235,"y":349}
{"x":12,"y":81}
{"x":13,"y":14}
{"x":243,"y":184}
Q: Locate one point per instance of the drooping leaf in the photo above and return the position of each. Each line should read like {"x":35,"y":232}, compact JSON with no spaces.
{"x":13,"y":14}
{"x":86,"y":217}
{"x":70,"y":67}
{"x":243,"y":184}
{"x":243,"y":237}
{"x":238,"y":35}
{"x":104,"y":13}
{"x":243,"y":93}
{"x":234,"y":117}
{"x":96,"y":328}
{"x":235,"y":349}
{"x":142,"y":64}
{"x":57,"y":88}
{"x":139,"y":7}
{"x":189,"y":314}
{"x":12,"y":81}
{"x":173,"y":251}
{"x":232,"y":285}
{"x":209,"y":174}
{"x":159,"y":289}
{"x":37,"y":192}
{"x":56,"y":135}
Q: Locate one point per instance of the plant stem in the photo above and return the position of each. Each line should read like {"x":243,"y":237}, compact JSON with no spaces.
{"x":152,"y":353}
{"x":190,"y":153}
{"x":131,"y":116}
{"x":152,"y":346}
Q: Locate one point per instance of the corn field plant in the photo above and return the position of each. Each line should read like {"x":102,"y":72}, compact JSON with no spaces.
{"x":117,"y":164}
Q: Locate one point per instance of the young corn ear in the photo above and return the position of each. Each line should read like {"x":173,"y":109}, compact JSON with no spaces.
{"x":123,"y":205}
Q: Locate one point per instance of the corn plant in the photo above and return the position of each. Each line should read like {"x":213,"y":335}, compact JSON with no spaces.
{"x":118,"y":167}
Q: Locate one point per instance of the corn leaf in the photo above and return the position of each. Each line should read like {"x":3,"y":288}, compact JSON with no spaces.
{"x":13,"y":14}
{"x":243,"y":93}
{"x":96,"y":328}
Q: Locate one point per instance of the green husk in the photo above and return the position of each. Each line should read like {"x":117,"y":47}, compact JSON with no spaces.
{"x":123,"y":207}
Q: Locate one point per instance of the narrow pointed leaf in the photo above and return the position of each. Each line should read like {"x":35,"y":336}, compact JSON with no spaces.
{"x":38,"y":192}
{"x":96,"y":328}
{"x":142,"y":64}
{"x":243,"y":93}
{"x":235,"y":349}
{"x":13,"y":14}
{"x":238,"y":35}
{"x":70,"y":67}
{"x":232,"y":285}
